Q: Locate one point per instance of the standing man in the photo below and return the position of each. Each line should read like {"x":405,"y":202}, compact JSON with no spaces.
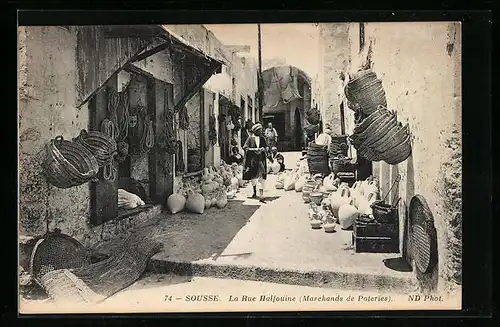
{"x":255,"y":168}
{"x":271,"y":135}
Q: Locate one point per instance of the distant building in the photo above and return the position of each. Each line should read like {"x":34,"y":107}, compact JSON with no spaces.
{"x":287,"y":97}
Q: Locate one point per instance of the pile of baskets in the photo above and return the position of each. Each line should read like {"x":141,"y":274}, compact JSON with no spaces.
{"x":377,"y":136}
{"x":365,"y":91}
{"x":317,"y":159}
{"x":72,"y":163}
{"x":381,"y":137}
{"x":338,"y":146}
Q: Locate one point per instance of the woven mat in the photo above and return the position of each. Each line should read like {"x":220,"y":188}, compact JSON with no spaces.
{"x":96,"y":282}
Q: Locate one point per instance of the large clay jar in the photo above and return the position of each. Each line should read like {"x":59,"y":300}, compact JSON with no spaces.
{"x":355,"y":195}
{"x":347,"y":215}
{"x":364,"y":207}
{"x":330,"y":225}
{"x":339,"y":198}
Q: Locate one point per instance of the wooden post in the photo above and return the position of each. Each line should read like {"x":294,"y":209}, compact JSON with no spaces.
{"x":103,"y":194}
{"x":161,"y":163}
{"x":259,"y":82}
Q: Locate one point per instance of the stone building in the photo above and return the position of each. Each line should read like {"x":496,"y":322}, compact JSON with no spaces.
{"x":420,"y":68}
{"x":287,"y":98}
{"x":67,"y":76}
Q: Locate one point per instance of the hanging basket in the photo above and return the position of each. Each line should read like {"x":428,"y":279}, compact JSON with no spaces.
{"x":313,"y":116}
{"x":366,"y":91}
{"x":68,"y":164}
{"x":101,"y":145}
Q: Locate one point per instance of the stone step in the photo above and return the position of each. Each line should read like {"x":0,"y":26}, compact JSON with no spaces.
{"x":325,"y":279}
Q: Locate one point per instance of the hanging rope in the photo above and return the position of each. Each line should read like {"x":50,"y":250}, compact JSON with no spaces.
{"x":113,"y":101}
{"x":148,"y":137}
{"x":179,"y":156}
{"x":171,"y":143}
{"x":109,"y":171}
{"x":123,"y":115}
{"x":183,"y":118}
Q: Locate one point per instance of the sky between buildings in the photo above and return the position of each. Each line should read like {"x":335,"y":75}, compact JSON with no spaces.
{"x":295,"y":43}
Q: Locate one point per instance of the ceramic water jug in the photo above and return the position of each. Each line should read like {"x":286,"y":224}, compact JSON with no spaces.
{"x":365,"y":203}
{"x":330,"y":225}
{"x":347,"y":215}
{"x":339,"y":198}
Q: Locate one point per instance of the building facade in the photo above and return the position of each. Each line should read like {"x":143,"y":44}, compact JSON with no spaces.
{"x":420,"y":68}
{"x":68,"y":78}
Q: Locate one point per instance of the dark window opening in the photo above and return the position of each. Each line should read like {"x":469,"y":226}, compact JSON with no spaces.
{"x":361,"y":36}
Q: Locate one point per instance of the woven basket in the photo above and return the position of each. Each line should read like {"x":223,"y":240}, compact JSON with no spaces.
{"x":398,"y":134}
{"x":56,"y":251}
{"x":371,"y":130}
{"x":102,"y":146}
{"x":360,"y":127}
{"x":68,"y":164}
{"x":382,"y":135}
{"x":342,"y":165}
{"x":399,"y":153}
{"x":366,"y":91}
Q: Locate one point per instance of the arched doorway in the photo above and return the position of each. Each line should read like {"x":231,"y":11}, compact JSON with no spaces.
{"x":298,"y":131}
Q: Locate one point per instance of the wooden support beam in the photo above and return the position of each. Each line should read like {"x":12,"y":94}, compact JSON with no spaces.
{"x":117,"y":32}
{"x":214,"y":68}
{"x":151,"y":52}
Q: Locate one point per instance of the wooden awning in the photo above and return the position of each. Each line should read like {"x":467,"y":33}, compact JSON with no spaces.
{"x":104,"y":50}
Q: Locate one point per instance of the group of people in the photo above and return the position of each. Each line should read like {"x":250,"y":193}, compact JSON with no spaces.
{"x":259,"y":148}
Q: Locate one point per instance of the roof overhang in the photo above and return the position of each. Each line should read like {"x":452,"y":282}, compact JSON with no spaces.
{"x":167,"y":39}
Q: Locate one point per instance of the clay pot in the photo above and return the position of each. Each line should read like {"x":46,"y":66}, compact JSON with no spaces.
{"x":347,"y":215}
{"x":305,"y":196}
{"x":315,"y":223}
{"x":329,"y":226}
{"x":339,"y":198}
{"x":316,"y":197}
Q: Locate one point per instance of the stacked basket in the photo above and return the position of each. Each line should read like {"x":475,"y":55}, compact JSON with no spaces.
{"x":378,"y":135}
{"x":317,"y":159}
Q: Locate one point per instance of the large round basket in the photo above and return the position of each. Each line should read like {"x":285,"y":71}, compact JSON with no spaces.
{"x":56,"y":251}
{"x":68,"y":164}
{"x":102,"y":146}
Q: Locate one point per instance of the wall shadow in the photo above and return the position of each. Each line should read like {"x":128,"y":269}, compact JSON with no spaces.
{"x":188,"y":237}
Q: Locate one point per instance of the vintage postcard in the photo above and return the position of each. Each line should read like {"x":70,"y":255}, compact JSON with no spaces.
{"x":243,"y":167}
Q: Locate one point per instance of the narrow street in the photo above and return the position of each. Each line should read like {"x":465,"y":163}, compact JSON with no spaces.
{"x":132,"y":136}
{"x":270,"y":242}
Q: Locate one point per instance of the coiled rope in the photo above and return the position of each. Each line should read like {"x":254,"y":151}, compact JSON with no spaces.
{"x":123,"y":116}
{"x":108,"y":126}
{"x":109,"y":171}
